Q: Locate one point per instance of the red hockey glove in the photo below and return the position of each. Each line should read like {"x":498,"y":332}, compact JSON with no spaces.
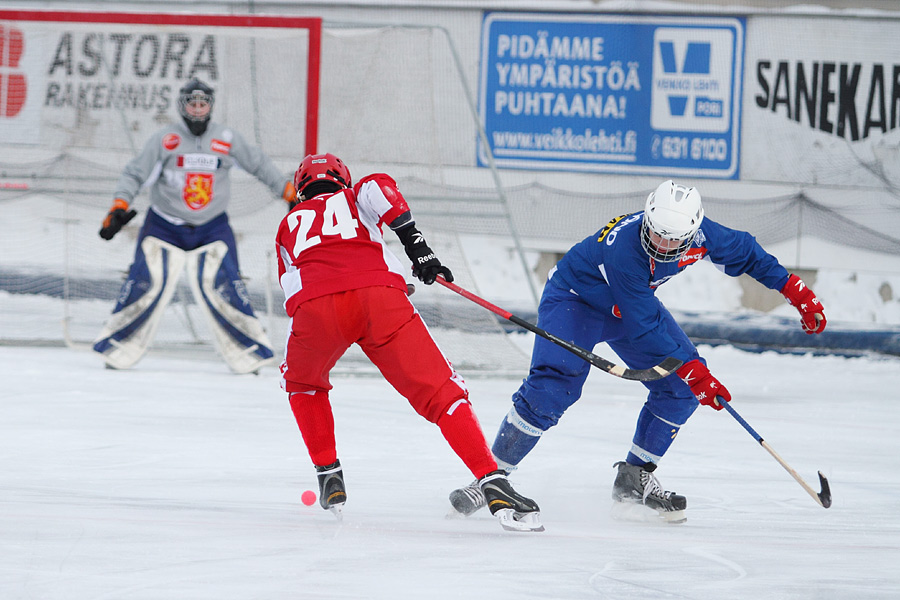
{"x":812,"y":313}
{"x":703,"y":384}
{"x":117,"y":217}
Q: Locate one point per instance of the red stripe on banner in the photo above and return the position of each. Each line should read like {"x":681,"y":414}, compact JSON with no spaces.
{"x":312,"y":24}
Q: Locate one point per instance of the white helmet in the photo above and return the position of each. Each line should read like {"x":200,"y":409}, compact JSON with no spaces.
{"x":673,"y":213}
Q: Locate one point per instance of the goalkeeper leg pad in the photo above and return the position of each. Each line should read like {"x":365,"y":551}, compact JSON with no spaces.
{"x":145,"y":295}
{"x":219,"y":290}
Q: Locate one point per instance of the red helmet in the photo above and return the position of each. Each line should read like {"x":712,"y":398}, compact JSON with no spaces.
{"x":321,"y":167}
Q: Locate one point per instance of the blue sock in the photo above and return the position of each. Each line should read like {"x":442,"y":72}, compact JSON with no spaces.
{"x":652,"y":437}
{"x":515,"y":438}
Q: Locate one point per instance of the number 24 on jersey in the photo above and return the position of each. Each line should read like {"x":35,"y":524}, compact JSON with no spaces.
{"x":336,"y":219}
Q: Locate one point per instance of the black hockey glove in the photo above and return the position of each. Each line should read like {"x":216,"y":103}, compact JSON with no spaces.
{"x":425,"y":265}
{"x":116,"y":219}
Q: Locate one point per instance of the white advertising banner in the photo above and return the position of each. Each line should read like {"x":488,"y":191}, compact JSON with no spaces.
{"x":69,"y":81}
{"x":821,"y":101}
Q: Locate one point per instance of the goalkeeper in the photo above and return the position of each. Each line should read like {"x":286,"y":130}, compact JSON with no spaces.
{"x":186,"y":165}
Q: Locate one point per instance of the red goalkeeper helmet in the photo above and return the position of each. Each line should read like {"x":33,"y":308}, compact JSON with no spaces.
{"x":321,"y":167}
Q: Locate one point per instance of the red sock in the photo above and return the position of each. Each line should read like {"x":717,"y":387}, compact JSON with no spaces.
{"x":316,"y":422}
{"x":461,"y":429}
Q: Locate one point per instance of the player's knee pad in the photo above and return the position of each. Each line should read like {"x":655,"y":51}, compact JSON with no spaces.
{"x":142,"y":300}
{"x":544,"y":403}
{"x":676,"y":407}
{"x":223,"y":299}
{"x":443,"y":397}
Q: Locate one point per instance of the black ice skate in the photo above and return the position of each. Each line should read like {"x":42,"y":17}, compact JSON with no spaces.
{"x":515,"y":512}
{"x":638,"y":485}
{"x":332,"y":494}
{"x":468,"y":500}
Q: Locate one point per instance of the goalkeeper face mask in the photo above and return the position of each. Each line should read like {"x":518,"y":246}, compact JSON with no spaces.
{"x":195,"y":102}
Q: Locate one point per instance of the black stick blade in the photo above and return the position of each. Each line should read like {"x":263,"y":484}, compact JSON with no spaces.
{"x":825,"y":494}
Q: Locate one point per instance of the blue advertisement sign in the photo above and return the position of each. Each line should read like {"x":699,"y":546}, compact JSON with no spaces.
{"x":612,"y":94}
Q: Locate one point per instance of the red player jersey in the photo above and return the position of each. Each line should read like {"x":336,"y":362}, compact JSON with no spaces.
{"x":333,"y":243}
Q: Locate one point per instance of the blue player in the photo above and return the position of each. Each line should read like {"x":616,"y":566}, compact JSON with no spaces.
{"x":603,"y":290}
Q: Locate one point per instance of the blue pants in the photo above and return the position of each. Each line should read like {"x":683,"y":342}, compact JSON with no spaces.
{"x":186,"y":237}
{"x":556,"y":378}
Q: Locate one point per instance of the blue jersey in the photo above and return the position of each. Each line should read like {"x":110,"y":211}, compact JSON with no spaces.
{"x":611,"y":272}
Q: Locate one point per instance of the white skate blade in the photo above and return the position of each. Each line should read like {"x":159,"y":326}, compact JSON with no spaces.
{"x":640,"y":513}
{"x":511,"y":520}
{"x":455,"y":514}
{"x":462,"y":514}
{"x":337,"y":510}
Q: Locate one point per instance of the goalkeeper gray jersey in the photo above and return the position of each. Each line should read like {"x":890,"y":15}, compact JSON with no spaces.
{"x":189,"y":175}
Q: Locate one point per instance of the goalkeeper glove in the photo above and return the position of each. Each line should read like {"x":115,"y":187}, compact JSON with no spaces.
{"x":117,"y":217}
{"x":812,"y":313}
{"x":289,"y":195}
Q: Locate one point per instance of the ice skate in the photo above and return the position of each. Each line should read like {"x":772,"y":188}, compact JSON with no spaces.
{"x":637,"y":485}
{"x":515,"y":512}
{"x":468,"y":500}
{"x":332,"y":494}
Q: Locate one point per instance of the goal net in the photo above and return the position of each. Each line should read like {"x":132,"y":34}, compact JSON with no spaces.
{"x":80,"y":93}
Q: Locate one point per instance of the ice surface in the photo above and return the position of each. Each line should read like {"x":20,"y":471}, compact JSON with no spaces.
{"x":178,"y":480}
